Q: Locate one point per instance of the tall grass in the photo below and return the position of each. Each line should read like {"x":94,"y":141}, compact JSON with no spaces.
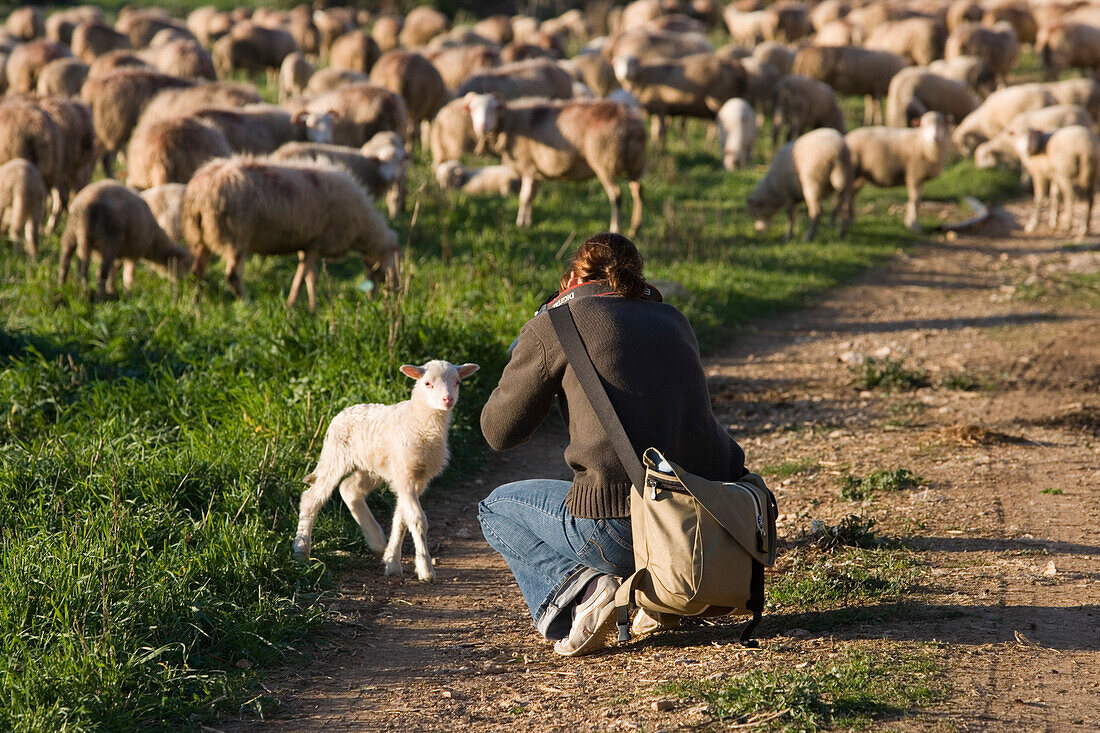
{"x":152,"y":447}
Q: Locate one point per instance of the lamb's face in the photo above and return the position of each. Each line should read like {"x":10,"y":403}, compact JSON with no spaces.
{"x":626,"y":68}
{"x":760,"y":212}
{"x":319,"y":126}
{"x":437,"y":382}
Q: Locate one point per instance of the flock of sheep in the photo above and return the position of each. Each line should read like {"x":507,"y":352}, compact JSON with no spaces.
{"x":211,"y":170}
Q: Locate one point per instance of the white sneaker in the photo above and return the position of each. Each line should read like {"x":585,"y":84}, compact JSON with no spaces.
{"x":646,"y":622}
{"x":593,"y":620}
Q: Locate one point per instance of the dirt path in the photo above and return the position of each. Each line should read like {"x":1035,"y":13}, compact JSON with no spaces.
{"x":1012,"y":587}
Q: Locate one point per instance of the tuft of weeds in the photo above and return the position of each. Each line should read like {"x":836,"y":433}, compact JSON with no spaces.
{"x":1052,"y":492}
{"x":790,"y":468}
{"x":889,"y":374}
{"x":852,"y":531}
{"x":843,"y":576}
{"x":851,"y":691}
{"x":854,"y":488}
{"x":965,"y":382}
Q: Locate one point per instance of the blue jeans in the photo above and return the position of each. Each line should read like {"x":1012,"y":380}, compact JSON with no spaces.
{"x":552,"y":553}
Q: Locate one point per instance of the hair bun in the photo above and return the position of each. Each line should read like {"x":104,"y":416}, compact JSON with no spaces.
{"x":610,"y":257}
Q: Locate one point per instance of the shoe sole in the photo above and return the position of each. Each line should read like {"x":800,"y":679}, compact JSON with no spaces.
{"x":598,"y":638}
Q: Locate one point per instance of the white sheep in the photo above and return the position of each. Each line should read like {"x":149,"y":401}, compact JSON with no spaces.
{"x":494,"y":179}
{"x":737,"y":133}
{"x":403,"y":445}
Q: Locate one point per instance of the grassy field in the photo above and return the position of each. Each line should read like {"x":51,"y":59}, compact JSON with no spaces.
{"x":152,"y":448}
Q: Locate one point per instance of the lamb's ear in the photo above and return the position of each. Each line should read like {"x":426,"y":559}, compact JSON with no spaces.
{"x":412,"y":371}
{"x":1034,"y":142}
{"x":466,"y":370}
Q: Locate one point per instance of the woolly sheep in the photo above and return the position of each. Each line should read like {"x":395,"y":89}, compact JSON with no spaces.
{"x":736,"y":133}
{"x":421,"y":25}
{"x":113,"y":220}
{"x":1017,"y":15}
{"x":837,"y":33}
{"x":354,"y":51}
{"x":494,"y":179}
{"x":802,"y":104}
{"x":961,"y":12}
{"x":78,"y":149}
{"x":63,"y":77}
{"x":92,"y":40}
{"x":26,"y":23}
{"x":28,"y":59}
{"x":186,"y":100}
{"x":208,"y":24}
{"x":262,"y":128}
{"x":61,"y":23}
{"x":417,"y":81}
{"x":918,"y":40}
{"x":166,"y":204}
{"x":115,"y":60}
{"x":22,"y":203}
{"x":1065,"y":161}
{"x":385,"y":32}
{"x":751,"y":28}
{"x":330,"y":23}
{"x":536,"y":78}
{"x":655,"y":45}
{"x":452,"y":132}
{"x":1000,"y":150}
{"x":182,"y":57}
{"x":294,"y":75}
{"x":496,"y":28}
{"x":1085,"y":92}
{"x":171,"y":150}
{"x":852,"y":70}
{"x":573,"y":140}
{"x":970,"y":70}
{"x":141,"y":24}
{"x":775,"y":54}
{"x":30,"y":132}
{"x":997,"y":45}
{"x":388,"y":147}
{"x":1062,"y":46}
{"x":890,"y":156}
{"x":996,"y":111}
{"x":813,"y":167}
{"x":375,"y":174}
{"x":594,"y":70}
{"x":914,"y":91}
{"x":403,"y":445}
{"x":362,"y":110}
{"x":242,"y":205}
{"x":328,"y":79}
{"x":458,"y":63}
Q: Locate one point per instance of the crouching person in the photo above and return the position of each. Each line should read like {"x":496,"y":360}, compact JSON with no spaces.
{"x":569,"y":543}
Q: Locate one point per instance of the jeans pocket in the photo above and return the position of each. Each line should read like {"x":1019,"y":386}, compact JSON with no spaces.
{"x":609,"y":549}
{"x":620,"y":531}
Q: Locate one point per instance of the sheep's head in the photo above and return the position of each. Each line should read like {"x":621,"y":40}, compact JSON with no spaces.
{"x":318,"y":126}
{"x":449,"y":174}
{"x":967,"y":140}
{"x":760,"y":210}
{"x":934,"y":128}
{"x":387,"y":146}
{"x":626,"y":68}
{"x":989,"y":155}
{"x":484,"y":110}
{"x":437,"y":382}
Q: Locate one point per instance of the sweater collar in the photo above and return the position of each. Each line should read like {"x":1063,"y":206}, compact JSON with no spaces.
{"x":595,"y":288}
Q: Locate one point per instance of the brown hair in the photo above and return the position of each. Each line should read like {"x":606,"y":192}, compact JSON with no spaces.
{"x":609,"y":257}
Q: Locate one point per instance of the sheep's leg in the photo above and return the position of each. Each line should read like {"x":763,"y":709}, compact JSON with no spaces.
{"x":313,"y":499}
{"x":527,"y":190}
{"x":108,"y":161}
{"x":1038,"y":187}
{"x":30,"y":238}
{"x":615,"y":195}
{"x":234,"y":273}
{"x":636,"y":211}
{"x":112,"y":279}
{"x":106,"y":268}
{"x":127,"y":275}
{"x":1053,"y":199}
{"x":868,"y":109}
{"x":55,"y":210}
{"x":813,"y":211}
{"x":1086,"y":226}
{"x":391,"y":556}
{"x":911,"y":220}
{"x":311,"y":279}
{"x":354,"y":490}
{"x":296,"y":283}
{"x":408,"y":503}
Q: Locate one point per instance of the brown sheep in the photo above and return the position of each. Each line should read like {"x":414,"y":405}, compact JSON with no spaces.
{"x":28,"y":131}
{"x":458,"y":63}
{"x":78,"y":149}
{"x":294,"y":75}
{"x":594,"y":71}
{"x":809,"y":169}
{"x":140,"y":25}
{"x":362,"y":110}
{"x":304,"y":31}
{"x":179,"y":102}
{"x":330,"y":26}
{"x":208,"y":24}
{"x":970,"y":70}
{"x":417,"y":81}
{"x":240,"y":206}
{"x":92,"y":40}
{"x":802,"y":104}
{"x":171,"y":150}
{"x":961,"y":12}
{"x":115,"y":60}
{"x":252,"y":48}
{"x":852,"y":70}
{"x":1015,"y":14}
{"x":1062,"y":46}
{"x":422,"y":24}
{"x":776,"y":54}
{"x":182,"y":57}
{"x":655,"y":46}
{"x":919,"y":41}
{"x":117,"y":99}
{"x":63,"y":77}
{"x":916,"y":90}
{"x":452,"y":132}
{"x":496,"y":28}
{"x":997,"y":45}
{"x":385,"y":32}
{"x":572,"y":140}
{"x":354,"y":51}
{"x":60,"y":24}
{"x":26,"y":23}
{"x":514,"y":52}
{"x":22,"y":203}
{"x":328,"y":79}
{"x":28,"y":59}
{"x":111,"y":219}
{"x":537,"y":78}
{"x":260,"y":129}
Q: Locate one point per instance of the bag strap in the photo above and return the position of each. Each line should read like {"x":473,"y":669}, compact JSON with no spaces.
{"x":624,"y":599}
{"x":577,"y":356}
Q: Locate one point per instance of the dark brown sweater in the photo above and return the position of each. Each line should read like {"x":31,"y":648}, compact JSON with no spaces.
{"x":648,"y":358}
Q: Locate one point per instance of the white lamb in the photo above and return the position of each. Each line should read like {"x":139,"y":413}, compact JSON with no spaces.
{"x":737,"y":133}
{"x":403,"y":445}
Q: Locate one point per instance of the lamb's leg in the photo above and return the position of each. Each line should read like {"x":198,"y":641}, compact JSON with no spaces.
{"x":127,"y":275}
{"x":313,"y":499}
{"x":408,"y":503}
{"x":527,"y":190}
{"x":1052,"y":198}
{"x":868,"y":109}
{"x":1038,"y":187}
{"x":911,"y":220}
{"x":55,"y":210}
{"x":391,"y":557}
{"x":615,"y":195}
{"x":813,"y":211}
{"x":296,"y":283}
{"x":354,"y":490}
{"x":636,"y":212}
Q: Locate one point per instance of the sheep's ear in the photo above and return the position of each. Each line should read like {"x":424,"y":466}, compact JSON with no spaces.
{"x":467,"y":101}
{"x":298,"y":118}
{"x":412,"y":371}
{"x":466,"y":370}
{"x":1034,"y":142}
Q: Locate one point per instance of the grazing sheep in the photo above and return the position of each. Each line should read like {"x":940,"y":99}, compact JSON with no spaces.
{"x":113,"y":220}
{"x":573,"y":140}
{"x":655,"y":45}
{"x":751,"y":28}
{"x":61,"y":23}
{"x":362,"y":110}
{"x":452,"y":132}
{"x":328,"y":79}
{"x":78,"y":149}
{"x":262,"y":128}
{"x":22,"y":203}
{"x":403,"y":445}
{"x":63,"y":77}
{"x":458,"y":63}
{"x":1000,"y":151}
{"x":975,"y":72}
{"x":294,"y":75}
{"x":997,"y":46}
{"x":761,"y":81}
{"x":792,"y":21}
{"x":852,"y":70}
{"x":775,"y":54}
{"x":692,"y":86}
{"x":304,"y":31}
{"x":252,"y":48}
{"x":354,"y":51}
{"x":736,"y":133}
{"x":494,"y":179}
{"x":915,"y":90}
{"x":236,"y":206}
{"x":890,"y":156}
{"x":92,"y":40}
{"x":115,"y":60}
{"x":802,"y":104}
{"x":330,"y":25}
{"x":996,"y":111}
{"x":535,"y":78}
{"x":1085,"y":92}
{"x":496,"y":28}
{"x":26,"y":23}
{"x":419,"y":84}
{"x":141,"y":25}
{"x":28,"y":131}
{"x":185,"y":100}
{"x":182,"y":57}
{"x":376,"y":175}
{"x":171,"y":150}
{"x":422,"y":24}
{"x":166,"y":204}
{"x":1017,"y":15}
{"x":594,"y":70}
{"x":28,"y":59}
{"x":837,"y":33}
{"x":1066,"y":162}
{"x":919,"y":41}
{"x":388,"y":147}
{"x":385,"y":32}
{"x":208,"y":24}
{"x":117,"y":99}
{"x":810,"y":169}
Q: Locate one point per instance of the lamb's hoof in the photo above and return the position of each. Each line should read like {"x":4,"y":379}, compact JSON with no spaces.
{"x":301,"y":551}
{"x":425,"y":573}
{"x":392,"y":566}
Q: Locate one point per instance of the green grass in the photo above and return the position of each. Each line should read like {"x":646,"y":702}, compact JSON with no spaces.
{"x":857,"y":688}
{"x":152,"y":448}
{"x":848,"y":575}
{"x":1052,"y":492}
{"x":855,"y":488}
{"x":790,"y":468}
{"x":888,"y":374}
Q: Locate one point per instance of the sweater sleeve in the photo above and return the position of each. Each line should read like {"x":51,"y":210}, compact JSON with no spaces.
{"x":523,"y":397}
